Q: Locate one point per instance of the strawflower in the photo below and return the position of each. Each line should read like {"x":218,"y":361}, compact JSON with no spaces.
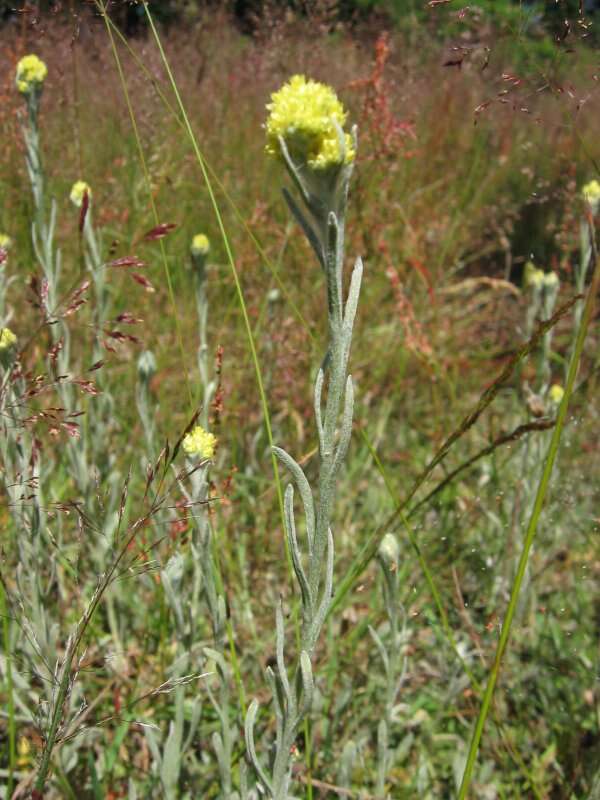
{"x":5,"y":241}
{"x":200,"y":245}
{"x":199,"y":442}
{"x":533,"y":276}
{"x":78,"y":191}
{"x":556,"y":393}
{"x":308,"y":116}
{"x":7,"y":339}
{"x":550,"y":280}
{"x":591,"y":194}
{"x":31,"y":74}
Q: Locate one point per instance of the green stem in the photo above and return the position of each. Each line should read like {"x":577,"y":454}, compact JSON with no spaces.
{"x":530,"y":534}
{"x":63,"y":688}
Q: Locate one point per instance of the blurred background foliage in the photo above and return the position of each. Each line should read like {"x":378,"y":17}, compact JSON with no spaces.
{"x":531,"y":19}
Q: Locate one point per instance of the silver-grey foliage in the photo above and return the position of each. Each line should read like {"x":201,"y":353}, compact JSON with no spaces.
{"x":322,"y":218}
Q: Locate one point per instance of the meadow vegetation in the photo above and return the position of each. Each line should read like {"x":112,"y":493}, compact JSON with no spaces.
{"x":171,"y":322}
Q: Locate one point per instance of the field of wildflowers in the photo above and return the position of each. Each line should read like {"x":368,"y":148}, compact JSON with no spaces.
{"x":298,"y":368}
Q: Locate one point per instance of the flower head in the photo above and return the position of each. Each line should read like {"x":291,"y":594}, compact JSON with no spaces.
{"x":533,"y":276}
{"x":199,"y":442}
{"x":78,"y":192}
{"x":7,"y":339}
{"x":308,"y":116}
{"x":5,"y":241}
{"x":550,"y":280}
{"x":31,"y":74}
{"x":556,"y":393}
{"x":591,"y":194}
{"x":200,"y":245}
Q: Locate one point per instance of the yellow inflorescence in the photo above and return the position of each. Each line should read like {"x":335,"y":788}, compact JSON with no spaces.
{"x":533,"y":276}
{"x":31,"y":74}
{"x":24,"y":752}
{"x":78,"y":190}
{"x":556,"y":393}
{"x":200,"y":245}
{"x":199,"y":442}
{"x":591,"y":193}
{"x":537,"y":278}
{"x":5,"y":241}
{"x":7,"y":338}
{"x":306,"y":115}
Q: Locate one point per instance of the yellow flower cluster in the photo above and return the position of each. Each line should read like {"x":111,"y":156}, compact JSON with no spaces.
{"x":31,"y":74}
{"x":591,"y":193}
{"x":306,"y":115}
{"x":7,"y":339}
{"x":199,"y":442}
{"x":556,"y":393}
{"x":537,"y":278}
{"x":24,"y":753}
{"x":78,"y":191}
{"x":200,"y":245}
{"x":5,"y":241}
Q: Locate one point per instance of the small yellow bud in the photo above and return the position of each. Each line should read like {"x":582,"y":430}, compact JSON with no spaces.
{"x":556,"y":393}
{"x":200,"y":245}
{"x":78,"y":191}
{"x":591,"y":194}
{"x":31,"y":74}
{"x":23,"y":752}
{"x":550,"y":280}
{"x":7,"y":339}
{"x":5,"y":241}
{"x":199,"y":442}
{"x":533,"y":277}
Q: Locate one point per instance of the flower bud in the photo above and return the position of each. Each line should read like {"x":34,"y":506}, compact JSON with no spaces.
{"x":200,"y":245}
{"x":388,"y":551}
{"x":556,"y":393}
{"x":146,"y":366}
{"x":591,"y":195}
{"x":78,"y":192}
